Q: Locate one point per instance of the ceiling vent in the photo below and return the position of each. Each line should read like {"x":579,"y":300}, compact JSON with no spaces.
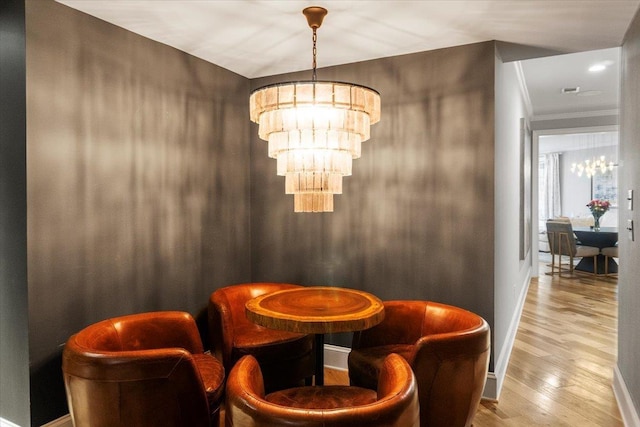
{"x":570,"y":90}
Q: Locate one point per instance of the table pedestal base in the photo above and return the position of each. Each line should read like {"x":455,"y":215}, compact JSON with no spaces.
{"x":319,"y":377}
{"x":316,"y":310}
{"x":586,"y":265}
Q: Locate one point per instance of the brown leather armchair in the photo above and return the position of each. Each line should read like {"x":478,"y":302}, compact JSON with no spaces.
{"x":286,"y":358}
{"x":447,"y":347}
{"x":142,"y":370}
{"x":395,"y":404}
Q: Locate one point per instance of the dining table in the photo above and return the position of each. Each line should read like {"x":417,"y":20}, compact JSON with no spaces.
{"x":316,"y":310}
{"x":603,"y":237}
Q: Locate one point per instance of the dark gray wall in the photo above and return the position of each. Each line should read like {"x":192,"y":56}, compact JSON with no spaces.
{"x":138,"y":182}
{"x":629,"y":176}
{"x":416,"y":219}
{"x":14,"y":350}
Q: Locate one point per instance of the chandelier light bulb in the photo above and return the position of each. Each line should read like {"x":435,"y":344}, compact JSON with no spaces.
{"x":590,"y":167}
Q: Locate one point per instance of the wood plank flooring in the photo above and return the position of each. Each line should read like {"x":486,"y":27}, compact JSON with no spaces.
{"x":561,"y":368}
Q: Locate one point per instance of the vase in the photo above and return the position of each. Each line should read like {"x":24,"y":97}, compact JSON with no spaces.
{"x":596,"y":224}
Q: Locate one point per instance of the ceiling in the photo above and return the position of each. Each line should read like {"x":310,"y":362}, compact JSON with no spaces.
{"x":597,"y":91}
{"x":256,"y":38}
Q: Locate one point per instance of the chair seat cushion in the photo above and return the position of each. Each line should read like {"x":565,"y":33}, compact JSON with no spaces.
{"x":365,"y":363}
{"x":269,"y":345}
{"x":587,"y":251}
{"x":322,"y":397}
{"x":212,"y":373}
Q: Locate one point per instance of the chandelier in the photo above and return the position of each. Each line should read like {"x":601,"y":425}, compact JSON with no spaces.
{"x":592,"y":166}
{"x":314,"y":130}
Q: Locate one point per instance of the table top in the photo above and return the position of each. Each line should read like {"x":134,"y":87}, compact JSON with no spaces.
{"x":316,"y":310}
{"x":605,"y":237}
{"x":592,"y":230}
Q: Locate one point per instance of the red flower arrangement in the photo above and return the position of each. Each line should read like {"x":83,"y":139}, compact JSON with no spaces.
{"x":598,"y":208}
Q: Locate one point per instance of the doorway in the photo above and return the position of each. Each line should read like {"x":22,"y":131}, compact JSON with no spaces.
{"x":564,"y":187}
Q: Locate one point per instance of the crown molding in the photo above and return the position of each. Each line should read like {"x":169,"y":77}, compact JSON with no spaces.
{"x":575,"y":115}
{"x":523,"y":89}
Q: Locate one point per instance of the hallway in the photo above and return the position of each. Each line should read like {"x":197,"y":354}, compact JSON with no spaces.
{"x":561,"y":368}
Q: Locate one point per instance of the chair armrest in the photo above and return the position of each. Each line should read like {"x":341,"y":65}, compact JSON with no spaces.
{"x":452,"y":348}
{"x":395,"y":377}
{"x":164,"y":382}
{"x":123,"y":365}
{"x":144,"y":331}
{"x":221,"y":331}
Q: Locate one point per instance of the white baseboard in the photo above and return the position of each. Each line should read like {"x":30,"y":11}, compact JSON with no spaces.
{"x":7,"y":423}
{"x":335,"y":357}
{"x":64,"y":421}
{"x":493,"y":386}
{"x":625,"y":403}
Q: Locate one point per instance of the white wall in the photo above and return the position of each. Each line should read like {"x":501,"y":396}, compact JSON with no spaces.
{"x":511,"y":274}
{"x":576,"y":191}
{"x":627,"y":373}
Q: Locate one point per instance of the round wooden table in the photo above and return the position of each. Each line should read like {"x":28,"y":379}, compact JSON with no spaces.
{"x":316,"y":310}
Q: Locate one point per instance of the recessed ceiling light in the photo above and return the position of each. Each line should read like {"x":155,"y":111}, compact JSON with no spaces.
{"x":596,"y":68}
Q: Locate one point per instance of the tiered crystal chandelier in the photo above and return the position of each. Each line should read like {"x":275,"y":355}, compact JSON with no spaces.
{"x":592,"y":166}
{"x":314,"y":130}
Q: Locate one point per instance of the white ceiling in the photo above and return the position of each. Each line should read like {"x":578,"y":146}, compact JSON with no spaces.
{"x":598,"y":91}
{"x":257,"y":38}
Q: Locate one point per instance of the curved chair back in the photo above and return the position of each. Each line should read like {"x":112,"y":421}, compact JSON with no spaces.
{"x":561,"y":238}
{"x":394,"y":405}
{"x":137,"y":370}
{"x":562,"y":241}
{"x":286,"y":358}
{"x":447,"y":347}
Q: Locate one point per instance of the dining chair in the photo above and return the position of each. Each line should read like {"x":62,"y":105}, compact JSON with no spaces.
{"x":286,"y":358}
{"x":394,"y":403}
{"x":447,"y":347}
{"x":143,"y":370}
{"x":562,"y":242}
{"x":610,"y":252}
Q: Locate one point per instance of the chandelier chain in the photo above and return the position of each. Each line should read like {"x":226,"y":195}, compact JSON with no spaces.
{"x":314,"y":76}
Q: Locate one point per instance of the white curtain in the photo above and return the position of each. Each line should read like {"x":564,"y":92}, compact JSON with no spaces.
{"x":552,"y":205}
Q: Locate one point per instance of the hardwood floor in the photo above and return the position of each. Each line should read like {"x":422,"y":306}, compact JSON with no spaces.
{"x":561,"y":368}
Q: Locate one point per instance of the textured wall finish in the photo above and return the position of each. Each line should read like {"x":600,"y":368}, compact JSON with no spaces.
{"x":416,"y":219}
{"x":629,"y":176}
{"x":138,"y":181}
{"x":14,"y":319}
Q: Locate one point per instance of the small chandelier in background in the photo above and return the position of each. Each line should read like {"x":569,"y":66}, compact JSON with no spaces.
{"x":314,"y":130}
{"x":592,"y":166}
